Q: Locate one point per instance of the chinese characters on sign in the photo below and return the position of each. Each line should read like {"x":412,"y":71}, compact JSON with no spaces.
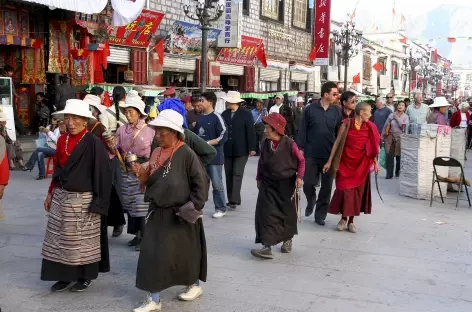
{"x":230,"y":28}
{"x":138,"y":33}
{"x":322,"y":30}
{"x":241,"y":56}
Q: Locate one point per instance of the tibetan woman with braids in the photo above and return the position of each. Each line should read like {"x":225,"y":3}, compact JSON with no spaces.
{"x":74,"y":251}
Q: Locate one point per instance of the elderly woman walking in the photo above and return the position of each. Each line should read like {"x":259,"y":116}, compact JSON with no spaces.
{"x":353,"y":156}
{"x":134,"y":138}
{"x":391,"y":134}
{"x":173,"y":250}
{"x":279,"y":174}
{"x":439,"y":108}
{"x":461,"y":118}
{"x":73,"y":250}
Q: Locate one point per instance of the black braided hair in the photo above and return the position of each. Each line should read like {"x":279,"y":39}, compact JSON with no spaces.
{"x":119,"y":94}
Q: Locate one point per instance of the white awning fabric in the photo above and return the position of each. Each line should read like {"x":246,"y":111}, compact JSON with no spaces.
{"x":81,"y":6}
{"x":125,"y":11}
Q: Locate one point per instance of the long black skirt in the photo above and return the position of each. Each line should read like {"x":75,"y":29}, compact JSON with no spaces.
{"x":55,"y":271}
{"x":173,"y":252}
{"x":116,"y":211}
{"x":276,"y":216}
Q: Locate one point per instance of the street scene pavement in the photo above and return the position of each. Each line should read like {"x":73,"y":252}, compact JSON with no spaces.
{"x":406,"y":256}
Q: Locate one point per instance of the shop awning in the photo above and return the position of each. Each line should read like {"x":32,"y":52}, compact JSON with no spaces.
{"x":82,"y":6}
{"x":266,"y":95}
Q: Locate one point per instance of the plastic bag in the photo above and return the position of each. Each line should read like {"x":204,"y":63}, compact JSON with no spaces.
{"x":41,"y":142}
{"x":383,"y":157}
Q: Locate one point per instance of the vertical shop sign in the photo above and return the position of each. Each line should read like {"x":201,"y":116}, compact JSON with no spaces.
{"x":230,"y":25}
{"x":322,"y":31}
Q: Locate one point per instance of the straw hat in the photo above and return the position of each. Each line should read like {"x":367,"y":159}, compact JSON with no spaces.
{"x":74,"y":107}
{"x":168,"y":118}
{"x":233,"y":97}
{"x":94,"y":101}
{"x":134,"y":100}
{"x":440,"y":101}
{"x":276,"y":121}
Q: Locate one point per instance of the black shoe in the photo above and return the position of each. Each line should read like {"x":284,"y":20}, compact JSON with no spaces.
{"x":117,"y":231}
{"x":286,"y":246}
{"x":397,"y":175}
{"x":320,"y":222}
{"x":138,"y":247}
{"x":39,"y":178}
{"x":389,"y":177}
{"x":26,"y":169}
{"x":81,"y":285}
{"x":60,"y":286}
{"x":308,"y":211}
{"x":135,"y":241}
{"x":263,"y":253}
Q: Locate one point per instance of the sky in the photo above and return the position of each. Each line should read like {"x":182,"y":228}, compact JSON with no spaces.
{"x":424,"y":20}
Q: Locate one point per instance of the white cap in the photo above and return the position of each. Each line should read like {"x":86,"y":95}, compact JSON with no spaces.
{"x":168,"y":118}
{"x":74,"y":107}
{"x":133,"y":99}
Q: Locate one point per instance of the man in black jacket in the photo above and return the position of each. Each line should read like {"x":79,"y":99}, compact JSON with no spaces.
{"x":240,"y":145}
{"x":316,"y":135}
{"x":64,"y":92}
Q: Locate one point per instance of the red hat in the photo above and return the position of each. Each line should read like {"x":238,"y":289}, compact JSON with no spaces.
{"x":169,"y":91}
{"x":276,"y":121}
{"x":186,"y":99}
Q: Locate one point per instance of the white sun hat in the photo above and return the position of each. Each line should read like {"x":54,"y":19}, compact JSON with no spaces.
{"x":133,"y":99}
{"x":74,"y":107}
{"x":233,"y":97}
{"x":440,"y":101}
{"x":168,"y":118}
{"x":94,"y":101}
{"x":300,"y":99}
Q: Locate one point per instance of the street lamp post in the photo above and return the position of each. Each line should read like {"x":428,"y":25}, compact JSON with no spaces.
{"x":205,"y":12}
{"x":347,"y":38}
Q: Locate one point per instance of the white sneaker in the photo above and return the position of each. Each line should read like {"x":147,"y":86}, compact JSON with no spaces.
{"x":149,"y":306}
{"x":191,"y":293}
{"x":219,"y":214}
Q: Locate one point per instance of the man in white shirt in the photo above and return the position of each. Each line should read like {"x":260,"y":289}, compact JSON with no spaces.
{"x":42,"y":152}
{"x":390,"y":104}
{"x":419,"y":112}
{"x":279,"y":101}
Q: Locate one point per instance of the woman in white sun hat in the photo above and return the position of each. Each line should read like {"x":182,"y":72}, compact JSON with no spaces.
{"x":438,"y":109}
{"x":74,"y":251}
{"x":134,"y":138}
{"x":173,"y":250}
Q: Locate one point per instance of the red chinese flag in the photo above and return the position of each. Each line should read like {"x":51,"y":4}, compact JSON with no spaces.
{"x":378,"y":67}
{"x":403,"y":40}
{"x":451,"y":40}
{"x":312,"y":55}
{"x":261,"y":56}
{"x":356,"y":78}
{"x":160,"y":51}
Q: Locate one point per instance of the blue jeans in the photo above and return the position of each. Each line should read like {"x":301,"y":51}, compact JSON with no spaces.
{"x":38,"y":156}
{"x":215,"y":172}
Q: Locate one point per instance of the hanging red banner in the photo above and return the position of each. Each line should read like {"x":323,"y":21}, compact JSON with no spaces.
{"x":138,"y":33}
{"x":241,"y":56}
{"x":321,"y":31}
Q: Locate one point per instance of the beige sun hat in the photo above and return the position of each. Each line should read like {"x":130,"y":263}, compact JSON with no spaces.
{"x":233,"y":97}
{"x":94,"y":101}
{"x":74,"y":107}
{"x":134,"y":100}
{"x":440,"y":101}
{"x":168,"y":118}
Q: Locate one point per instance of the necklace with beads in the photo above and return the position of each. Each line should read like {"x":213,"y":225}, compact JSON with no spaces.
{"x":67,"y":142}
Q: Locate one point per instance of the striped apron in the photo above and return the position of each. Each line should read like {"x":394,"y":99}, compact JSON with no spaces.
{"x":72,"y":232}
{"x":133,"y":198}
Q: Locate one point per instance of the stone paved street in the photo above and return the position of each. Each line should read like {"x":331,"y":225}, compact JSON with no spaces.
{"x":399,"y":260}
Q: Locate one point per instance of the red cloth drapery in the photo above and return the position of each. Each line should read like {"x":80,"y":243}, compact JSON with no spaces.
{"x":360,"y":150}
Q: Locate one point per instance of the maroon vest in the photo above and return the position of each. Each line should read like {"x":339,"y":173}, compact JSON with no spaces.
{"x":280,"y":164}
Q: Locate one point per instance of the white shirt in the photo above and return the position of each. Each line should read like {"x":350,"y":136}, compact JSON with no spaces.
{"x":463,"y":123}
{"x":275,"y":109}
{"x":108,"y":119}
{"x":392,"y":107}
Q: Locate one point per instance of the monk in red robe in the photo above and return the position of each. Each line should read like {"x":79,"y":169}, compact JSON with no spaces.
{"x":358,"y":158}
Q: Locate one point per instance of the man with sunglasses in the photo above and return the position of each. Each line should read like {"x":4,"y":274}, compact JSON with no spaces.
{"x":390,"y":102}
{"x":316,"y":135}
{"x":419,"y":112}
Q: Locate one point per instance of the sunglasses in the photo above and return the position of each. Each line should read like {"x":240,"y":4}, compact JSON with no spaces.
{"x":389,"y":97}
